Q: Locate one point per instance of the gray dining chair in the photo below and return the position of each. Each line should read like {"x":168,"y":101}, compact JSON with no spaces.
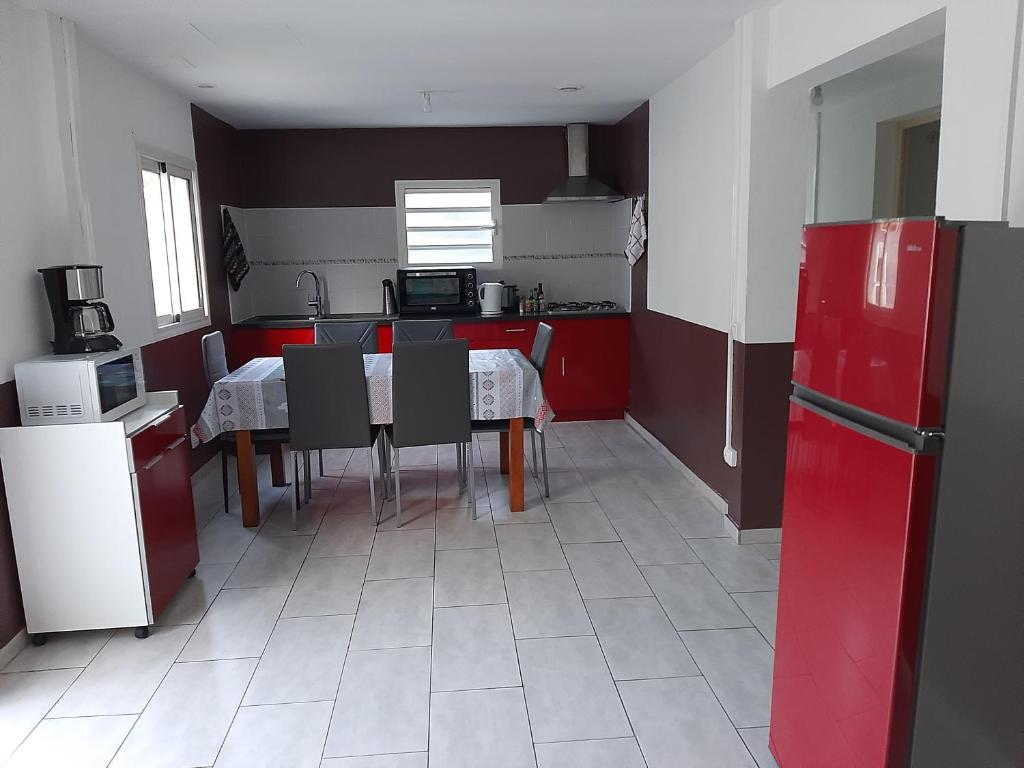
{"x":364,"y":334}
{"x":422,"y":330}
{"x":539,"y":353}
{"x":215,"y":368}
{"x":337,"y":332}
{"x":430,"y":403}
{"x":327,"y":404}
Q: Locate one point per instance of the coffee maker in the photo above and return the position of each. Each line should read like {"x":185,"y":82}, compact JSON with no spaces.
{"x":80,"y":323}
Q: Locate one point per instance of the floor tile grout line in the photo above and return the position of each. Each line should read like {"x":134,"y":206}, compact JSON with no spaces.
{"x":289,"y":489}
{"x":352,"y":630}
{"x":597,"y":639}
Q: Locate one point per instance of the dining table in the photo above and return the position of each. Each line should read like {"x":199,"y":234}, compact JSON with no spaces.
{"x":504,"y":386}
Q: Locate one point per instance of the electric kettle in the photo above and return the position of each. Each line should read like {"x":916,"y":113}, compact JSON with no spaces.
{"x":491,"y":295}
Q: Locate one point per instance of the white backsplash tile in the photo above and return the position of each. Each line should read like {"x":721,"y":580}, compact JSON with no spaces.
{"x":573,"y":249}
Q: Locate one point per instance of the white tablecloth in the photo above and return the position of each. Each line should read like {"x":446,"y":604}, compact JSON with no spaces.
{"x":503,"y":385}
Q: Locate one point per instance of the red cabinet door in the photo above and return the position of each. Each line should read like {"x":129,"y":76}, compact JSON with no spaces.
{"x":587,"y":374}
{"x":168,"y":522}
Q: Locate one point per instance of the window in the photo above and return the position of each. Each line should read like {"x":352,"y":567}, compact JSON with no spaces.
{"x":175,"y":254}
{"x":449,"y":222}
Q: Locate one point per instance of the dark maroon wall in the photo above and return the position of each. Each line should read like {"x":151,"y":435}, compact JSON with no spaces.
{"x":359,"y":166}
{"x":12,"y":617}
{"x":177,"y":363}
{"x":761,"y":421}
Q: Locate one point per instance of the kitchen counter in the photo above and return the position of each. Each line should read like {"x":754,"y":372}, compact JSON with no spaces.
{"x":304,"y":321}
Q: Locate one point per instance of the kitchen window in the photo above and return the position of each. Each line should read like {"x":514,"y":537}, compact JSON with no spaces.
{"x":175,"y":250}
{"x":449,"y":223}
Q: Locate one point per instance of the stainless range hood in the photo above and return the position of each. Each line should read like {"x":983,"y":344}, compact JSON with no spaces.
{"x":580,"y":186}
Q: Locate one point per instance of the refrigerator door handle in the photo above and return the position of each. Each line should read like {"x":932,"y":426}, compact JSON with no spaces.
{"x":927,"y":442}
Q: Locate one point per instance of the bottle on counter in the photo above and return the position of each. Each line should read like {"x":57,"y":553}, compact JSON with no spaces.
{"x":522,"y":305}
{"x":540,"y":297}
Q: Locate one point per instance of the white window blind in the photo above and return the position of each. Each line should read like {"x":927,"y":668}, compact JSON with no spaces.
{"x":175,"y":254}
{"x":449,"y":222}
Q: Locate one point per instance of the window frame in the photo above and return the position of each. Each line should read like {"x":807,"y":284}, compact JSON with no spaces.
{"x":493,"y":185}
{"x":170,"y":165}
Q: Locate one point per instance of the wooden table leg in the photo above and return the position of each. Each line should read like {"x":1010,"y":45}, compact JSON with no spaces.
{"x":503,"y":452}
{"x":277,"y":475}
{"x":248,"y":490}
{"x":516,"y":501}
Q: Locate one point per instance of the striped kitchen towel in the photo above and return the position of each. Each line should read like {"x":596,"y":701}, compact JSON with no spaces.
{"x":637,"y":240}
{"x":235,"y":264}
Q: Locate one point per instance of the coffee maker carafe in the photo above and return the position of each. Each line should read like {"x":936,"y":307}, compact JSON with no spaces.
{"x":80,"y":323}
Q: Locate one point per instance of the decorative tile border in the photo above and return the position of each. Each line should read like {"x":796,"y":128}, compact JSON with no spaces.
{"x":315,"y":262}
{"x":564,"y":256}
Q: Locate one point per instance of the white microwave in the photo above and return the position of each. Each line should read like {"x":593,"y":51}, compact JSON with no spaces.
{"x":80,"y":389}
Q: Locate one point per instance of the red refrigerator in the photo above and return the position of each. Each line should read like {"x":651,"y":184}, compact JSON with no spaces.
{"x":878,"y":302}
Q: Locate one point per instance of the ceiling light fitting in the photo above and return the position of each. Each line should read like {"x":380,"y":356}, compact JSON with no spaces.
{"x":570,"y":88}
{"x":204,"y":85}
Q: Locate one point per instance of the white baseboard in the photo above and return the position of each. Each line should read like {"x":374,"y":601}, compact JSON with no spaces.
{"x":751,"y":536}
{"x":705,"y":490}
{"x":14,"y":646}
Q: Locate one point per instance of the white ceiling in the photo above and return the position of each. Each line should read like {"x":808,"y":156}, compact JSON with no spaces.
{"x":331,"y":63}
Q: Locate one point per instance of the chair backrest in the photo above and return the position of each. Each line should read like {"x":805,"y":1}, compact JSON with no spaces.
{"x":327,"y":402}
{"x":422,"y":330}
{"x":364,"y":334}
{"x":215,"y":359}
{"x":541,"y":347}
{"x":430,"y":392}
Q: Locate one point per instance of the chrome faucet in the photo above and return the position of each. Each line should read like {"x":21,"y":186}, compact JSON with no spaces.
{"x":318,"y":301}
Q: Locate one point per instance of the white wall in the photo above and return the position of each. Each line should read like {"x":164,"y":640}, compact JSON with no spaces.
{"x":817,"y":40}
{"x":846,"y":176}
{"x":692,"y":157}
{"x":35,"y":228}
{"x":120,"y":108}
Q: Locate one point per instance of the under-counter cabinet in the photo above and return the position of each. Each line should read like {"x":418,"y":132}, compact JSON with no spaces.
{"x":587,"y":374}
{"x":102,"y":518}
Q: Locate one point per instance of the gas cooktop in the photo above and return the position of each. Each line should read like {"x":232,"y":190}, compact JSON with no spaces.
{"x":581,"y":306}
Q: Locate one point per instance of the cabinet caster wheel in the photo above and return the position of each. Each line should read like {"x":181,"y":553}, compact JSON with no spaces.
{"x":142,"y":632}
{"x":192,"y":575}
{"x":39,"y":639}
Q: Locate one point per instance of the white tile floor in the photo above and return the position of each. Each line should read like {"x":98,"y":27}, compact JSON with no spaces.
{"x":613,"y":626}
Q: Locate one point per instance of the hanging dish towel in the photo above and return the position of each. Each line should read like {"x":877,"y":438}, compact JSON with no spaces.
{"x":235,"y":263}
{"x":637,"y":241}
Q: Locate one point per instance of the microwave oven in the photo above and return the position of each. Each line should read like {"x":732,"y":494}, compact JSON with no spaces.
{"x":437,"y":290}
{"x":80,"y":389}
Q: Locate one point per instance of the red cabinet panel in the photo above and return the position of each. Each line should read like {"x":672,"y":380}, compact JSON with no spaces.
{"x":168,"y":520}
{"x":247,"y":343}
{"x":587,"y":375}
{"x":155,"y":438}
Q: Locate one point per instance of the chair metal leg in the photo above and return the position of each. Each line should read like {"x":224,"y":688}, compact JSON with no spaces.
{"x":544,"y":460}
{"x":308,"y":471}
{"x":533,"y":450}
{"x":224,"y":474}
{"x":398,"y":491}
{"x":373,"y":497}
{"x":321,"y":462}
{"x":295,"y":496}
{"x":458,"y":464}
{"x":472,"y":479}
